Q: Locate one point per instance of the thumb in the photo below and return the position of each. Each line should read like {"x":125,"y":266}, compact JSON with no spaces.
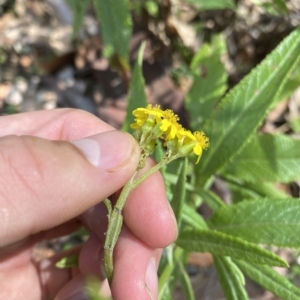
{"x":46,"y":183}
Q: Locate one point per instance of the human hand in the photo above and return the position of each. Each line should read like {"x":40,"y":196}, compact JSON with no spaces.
{"x":48,"y":188}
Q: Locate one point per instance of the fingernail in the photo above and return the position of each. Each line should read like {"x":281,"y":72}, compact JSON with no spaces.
{"x":107,"y":150}
{"x":151,"y":283}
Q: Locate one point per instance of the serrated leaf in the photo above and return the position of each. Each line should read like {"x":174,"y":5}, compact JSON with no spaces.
{"x":68,"y":262}
{"x":116,"y":25}
{"x":209,"y":81}
{"x":186,"y":283}
{"x":179,"y":192}
{"x":230,"y":278}
{"x":243,"y":109}
{"x":192,"y":218}
{"x":137,"y":96}
{"x":212,"y":4}
{"x":273,"y":158}
{"x":270,"y":280}
{"x":266,"y":221}
{"x":226,"y":245}
{"x":79,"y":8}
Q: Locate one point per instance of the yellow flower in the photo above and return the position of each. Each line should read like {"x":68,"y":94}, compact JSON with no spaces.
{"x":153,"y":123}
{"x":169,"y":124}
{"x":194,"y":142}
{"x":142,"y":114}
{"x":202,"y":142}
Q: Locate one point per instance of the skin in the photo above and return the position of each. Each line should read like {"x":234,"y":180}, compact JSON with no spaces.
{"x":48,"y":189}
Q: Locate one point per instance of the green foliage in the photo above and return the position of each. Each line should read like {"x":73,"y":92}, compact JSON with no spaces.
{"x":231,"y":278}
{"x":116,"y":26}
{"x":222,"y":244}
{"x":68,"y":262}
{"x":212,"y":4}
{"x":273,"y":158}
{"x":186,"y":283}
{"x":265,"y":221}
{"x":137,"y":96}
{"x":79,"y":9}
{"x":244,"y":107}
{"x":270,"y":280}
{"x":192,"y":218}
{"x":209,"y":81}
{"x":178,"y":198}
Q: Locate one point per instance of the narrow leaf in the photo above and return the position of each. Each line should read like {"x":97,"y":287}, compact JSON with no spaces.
{"x":270,"y":280}
{"x":70,"y":261}
{"x":241,"y":190}
{"x":192,"y":218}
{"x":213,"y":4}
{"x":210,"y":81}
{"x":266,"y":221}
{"x":186,"y":283}
{"x":179,"y":192}
{"x":116,"y":25}
{"x":231,"y":278}
{"x":137,"y":96}
{"x":211,"y":199}
{"x":165,"y":275}
{"x":226,"y":245}
{"x":79,"y":8}
{"x":243,"y":109}
{"x":273,"y":158}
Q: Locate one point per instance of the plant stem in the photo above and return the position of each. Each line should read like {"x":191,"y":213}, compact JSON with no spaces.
{"x":115,"y":218}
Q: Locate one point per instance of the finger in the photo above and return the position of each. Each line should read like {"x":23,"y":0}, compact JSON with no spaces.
{"x":148,"y":206}
{"x":57,"y":124}
{"x":135,"y":266}
{"x":135,"y":269}
{"x":146,"y":212}
{"x":46,"y":183}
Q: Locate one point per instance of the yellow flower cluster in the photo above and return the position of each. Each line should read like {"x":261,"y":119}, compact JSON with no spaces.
{"x":153,"y":122}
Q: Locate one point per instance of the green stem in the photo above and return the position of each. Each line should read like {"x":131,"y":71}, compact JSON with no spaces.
{"x":115,"y":218}
{"x":115,"y":221}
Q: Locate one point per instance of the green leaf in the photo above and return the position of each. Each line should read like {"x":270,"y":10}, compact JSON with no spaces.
{"x":270,"y":280}
{"x":212,"y":4}
{"x":266,"y":221}
{"x":165,"y":275}
{"x":179,"y":192}
{"x":192,"y":218}
{"x":92,"y":289}
{"x":186,"y":283}
{"x":226,"y":245}
{"x":291,"y":84}
{"x":79,"y":8}
{"x":295,"y":124}
{"x":211,"y":199}
{"x":243,"y":109}
{"x":137,"y":96}
{"x":241,"y":190}
{"x":273,"y":158}
{"x":230,"y":278}
{"x":210,"y":81}
{"x":68,"y":262}
{"x":116,"y":25}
